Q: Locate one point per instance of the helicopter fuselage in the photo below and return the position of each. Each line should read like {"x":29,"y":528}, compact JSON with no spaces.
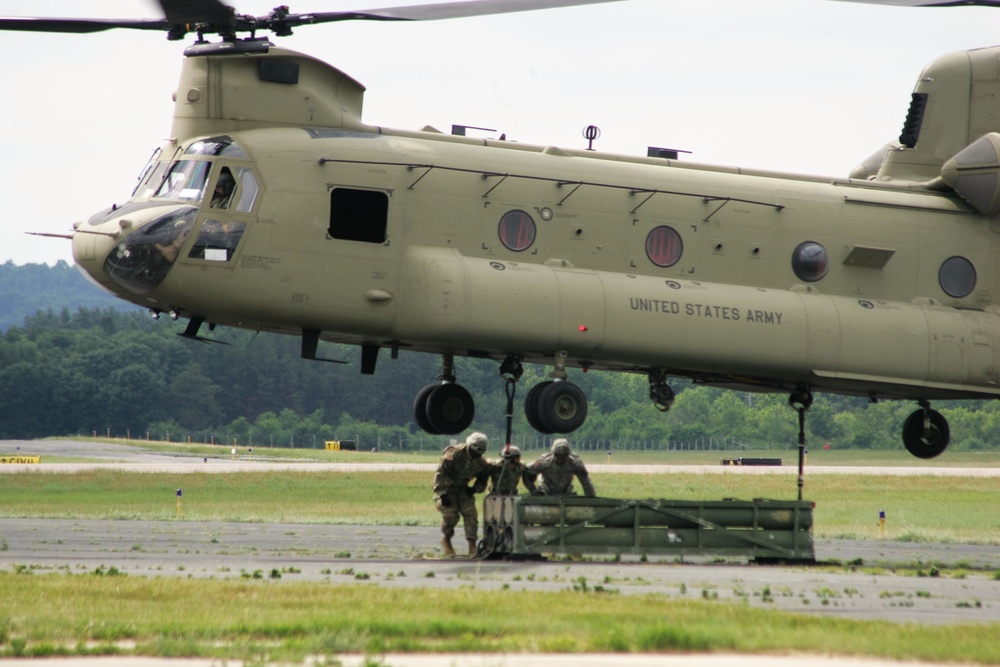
{"x":489,"y":248}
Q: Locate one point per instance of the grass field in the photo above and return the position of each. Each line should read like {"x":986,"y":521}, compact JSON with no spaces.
{"x":924,"y":508}
{"x":280,"y":622}
{"x":277,"y":623}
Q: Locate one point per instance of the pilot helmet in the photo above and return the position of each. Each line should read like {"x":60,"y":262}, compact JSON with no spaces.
{"x":226,"y":181}
{"x":512,"y":452}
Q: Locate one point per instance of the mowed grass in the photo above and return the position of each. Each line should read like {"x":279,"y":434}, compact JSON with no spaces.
{"x":276,"y":622}
{"x":918,"y":508}
{"x":283,"y":621}
{"x":386,"y":498}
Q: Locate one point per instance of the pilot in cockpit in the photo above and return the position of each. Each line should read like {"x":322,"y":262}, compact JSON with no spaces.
{"x":224,"y":187}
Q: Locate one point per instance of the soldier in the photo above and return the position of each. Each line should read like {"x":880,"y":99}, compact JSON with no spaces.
{"x":506,"y":472}
{"x":557,"y":469}
{"x":453,"y":495}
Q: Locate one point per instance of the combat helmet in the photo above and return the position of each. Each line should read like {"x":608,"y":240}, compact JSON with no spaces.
{"x":560,"y":447}
{"x":476,"y":442}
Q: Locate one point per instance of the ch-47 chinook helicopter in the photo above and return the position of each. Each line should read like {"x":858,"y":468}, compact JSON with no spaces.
{"x":274,"y":207}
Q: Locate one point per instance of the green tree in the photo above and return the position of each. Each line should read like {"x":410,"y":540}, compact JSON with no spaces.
{"x":190,"y":398}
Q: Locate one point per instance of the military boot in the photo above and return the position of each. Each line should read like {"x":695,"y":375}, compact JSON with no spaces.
{"x":446,"y":545}
{"x":472,"y":548}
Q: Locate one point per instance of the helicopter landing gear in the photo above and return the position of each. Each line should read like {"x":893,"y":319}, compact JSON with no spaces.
{"x":444,"y":408}
{"x":925,"y":432}
{"x":556,"y":406}
{"x":660,"y":392}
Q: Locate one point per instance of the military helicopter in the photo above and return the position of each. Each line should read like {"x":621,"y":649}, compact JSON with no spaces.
{"x":274,"y":207}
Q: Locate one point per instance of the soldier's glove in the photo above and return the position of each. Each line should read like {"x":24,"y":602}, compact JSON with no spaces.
{"x":445,"y":500}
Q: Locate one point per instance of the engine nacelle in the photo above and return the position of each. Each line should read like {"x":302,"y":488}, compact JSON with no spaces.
{"x":974,"y":173}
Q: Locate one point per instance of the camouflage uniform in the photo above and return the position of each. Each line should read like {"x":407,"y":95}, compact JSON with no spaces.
{"x":453,"y":496}
{"x":557,"y":469}
{"x":505,"y":473}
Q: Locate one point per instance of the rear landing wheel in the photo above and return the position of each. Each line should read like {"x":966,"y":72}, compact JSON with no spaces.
{"x":562,"y":407}
{"x":930,"y":442}
{"x":531,"y":407}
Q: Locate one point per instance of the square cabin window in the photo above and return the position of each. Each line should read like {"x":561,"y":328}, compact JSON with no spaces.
{"x":358,"y":215}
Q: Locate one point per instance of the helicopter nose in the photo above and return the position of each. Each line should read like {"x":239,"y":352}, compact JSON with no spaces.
{"x":92,"y":244}
{"x":131,"y":251}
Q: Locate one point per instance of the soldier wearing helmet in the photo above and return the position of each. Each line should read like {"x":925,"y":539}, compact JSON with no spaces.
{"x":558,"y":468}
{"x":461,"y":474}
{"x":507,"y":471}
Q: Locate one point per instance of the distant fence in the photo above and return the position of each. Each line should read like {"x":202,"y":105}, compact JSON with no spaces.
{"x":537,"y":441}
{"x":532,"y":441}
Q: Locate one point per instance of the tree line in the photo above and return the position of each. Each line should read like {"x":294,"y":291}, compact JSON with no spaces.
{"x":24,"y":289}
{"x":105,"y":372}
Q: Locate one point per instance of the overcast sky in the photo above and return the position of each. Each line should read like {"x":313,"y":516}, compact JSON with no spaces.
{"x":809,"y":86}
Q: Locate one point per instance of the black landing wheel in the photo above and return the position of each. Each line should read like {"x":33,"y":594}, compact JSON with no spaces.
{"x":561,"y":407}
{"x":449,"y":409}
{"x":933,"y":442}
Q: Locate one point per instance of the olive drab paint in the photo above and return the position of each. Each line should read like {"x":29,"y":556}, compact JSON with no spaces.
{"x":880,"y":285}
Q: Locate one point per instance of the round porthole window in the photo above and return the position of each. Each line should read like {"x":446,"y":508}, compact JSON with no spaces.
{"x":517,"y":230}
{"x":810,"y":261}
{"x":664,"y":246}
{"x":957,"y":277}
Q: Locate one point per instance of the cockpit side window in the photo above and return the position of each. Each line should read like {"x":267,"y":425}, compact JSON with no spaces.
{"x":217,"y":240}
{"x":185,"y":181}
{"x":236,"y":189}
{"x":248,"y":189}
{"x":225,"y":185}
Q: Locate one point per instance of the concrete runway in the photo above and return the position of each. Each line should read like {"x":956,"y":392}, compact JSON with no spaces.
{"x":379,"y":554}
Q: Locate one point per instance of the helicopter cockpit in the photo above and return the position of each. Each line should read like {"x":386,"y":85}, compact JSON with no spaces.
{"x":141,"y":260}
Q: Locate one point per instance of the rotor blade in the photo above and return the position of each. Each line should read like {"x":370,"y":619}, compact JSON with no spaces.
{"x":181,"y":16}
{"x":931,"y":3}
{"x":445,"y":10}
{"x":196,"y":11}
{"x":79,"y":25}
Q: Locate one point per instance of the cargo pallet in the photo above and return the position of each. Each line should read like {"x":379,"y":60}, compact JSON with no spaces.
{"x":758,"y":530}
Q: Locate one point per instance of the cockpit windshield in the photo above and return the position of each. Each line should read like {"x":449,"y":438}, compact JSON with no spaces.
{"x":185,"y":181}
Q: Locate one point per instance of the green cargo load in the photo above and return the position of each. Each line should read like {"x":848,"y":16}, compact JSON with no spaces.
{"x":758,"y":530}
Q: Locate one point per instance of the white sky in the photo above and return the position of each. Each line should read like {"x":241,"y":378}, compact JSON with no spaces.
{"x":809,"y":86}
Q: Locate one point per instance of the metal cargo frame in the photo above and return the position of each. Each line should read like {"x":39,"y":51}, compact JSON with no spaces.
{"x":756,"y":529}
